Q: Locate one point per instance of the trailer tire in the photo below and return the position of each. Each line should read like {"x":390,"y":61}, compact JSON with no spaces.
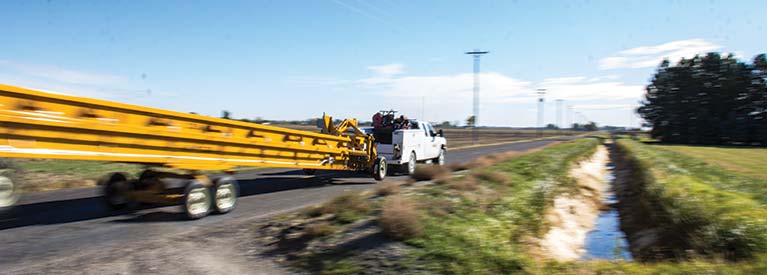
{"x":9,"y":188}
{"x":196,"y":200}
{"x":225,"y":193}
{"x":116,"y":187}
{"x":380,"y":168}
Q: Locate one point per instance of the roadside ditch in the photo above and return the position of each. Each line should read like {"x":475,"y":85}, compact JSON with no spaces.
{"x":585,"y":224}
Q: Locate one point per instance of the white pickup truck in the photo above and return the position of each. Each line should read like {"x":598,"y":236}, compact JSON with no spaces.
{"x":404,"y":148}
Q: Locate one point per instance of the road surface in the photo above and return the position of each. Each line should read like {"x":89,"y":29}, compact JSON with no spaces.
{"x":73,"y":231}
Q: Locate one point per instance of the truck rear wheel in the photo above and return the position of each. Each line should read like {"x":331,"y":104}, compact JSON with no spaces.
{"x":440,"y":160}
{"x":380,"y":168}
{"x":409,"y":167}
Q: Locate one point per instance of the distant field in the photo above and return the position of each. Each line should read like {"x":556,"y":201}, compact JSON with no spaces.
{"x":747,"y":161}
{"x":459,"y":137}
{"x":50,"y":174}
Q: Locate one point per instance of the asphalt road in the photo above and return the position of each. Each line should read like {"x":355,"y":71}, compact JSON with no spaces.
{"x":47,"y":226}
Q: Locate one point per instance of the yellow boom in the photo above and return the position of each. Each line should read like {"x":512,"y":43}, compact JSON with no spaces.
{"x":35,"y":124}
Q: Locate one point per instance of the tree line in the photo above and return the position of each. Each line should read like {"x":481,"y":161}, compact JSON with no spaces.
{"x":708,"y":99}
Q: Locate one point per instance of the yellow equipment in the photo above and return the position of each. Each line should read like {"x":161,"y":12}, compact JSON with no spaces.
{"x":35,"y":124}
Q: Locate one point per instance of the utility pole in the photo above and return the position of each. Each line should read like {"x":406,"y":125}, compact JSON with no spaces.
{"x":476,"y":53}
{"x":559,"y":115}
{"x":541,"y":93}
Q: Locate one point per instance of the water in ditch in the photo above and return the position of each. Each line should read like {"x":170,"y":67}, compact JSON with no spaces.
{"x":607,"y":241}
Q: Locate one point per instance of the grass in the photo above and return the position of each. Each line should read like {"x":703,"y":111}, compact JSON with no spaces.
{"x":485,"y":221}
{"x":80,"y":168}
{"x":698,"y":207}
{"x":488,"y":223}
{"x":747,"y":161}
{"x":347,"y":208}
{"x":399,"y":218}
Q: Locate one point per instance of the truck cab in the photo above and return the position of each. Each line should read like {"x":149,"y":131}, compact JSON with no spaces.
{"x":403,"y":148}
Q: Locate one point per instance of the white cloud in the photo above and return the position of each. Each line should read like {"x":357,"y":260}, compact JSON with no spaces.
{"x":651,"y":56}
{"x":59,"y":74}
{"x":504,"y":100}
{"x":588,"y":89}
{"x":388,"y":69}
{"x":55,"y":79}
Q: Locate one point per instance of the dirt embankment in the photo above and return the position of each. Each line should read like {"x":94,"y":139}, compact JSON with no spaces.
{"x":573,"y":215}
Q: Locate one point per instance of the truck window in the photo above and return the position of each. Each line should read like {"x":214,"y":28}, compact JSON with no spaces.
{"x":425,"y":130}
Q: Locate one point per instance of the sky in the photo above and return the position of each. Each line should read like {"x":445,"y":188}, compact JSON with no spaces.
{"x":293,"y":60}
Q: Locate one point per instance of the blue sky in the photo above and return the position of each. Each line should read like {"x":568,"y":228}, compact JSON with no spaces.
{"x":350,"y":58}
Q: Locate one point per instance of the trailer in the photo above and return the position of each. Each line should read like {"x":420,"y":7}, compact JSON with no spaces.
{"x":176,"y":148}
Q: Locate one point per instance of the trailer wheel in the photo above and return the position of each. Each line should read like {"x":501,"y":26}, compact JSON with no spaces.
{"x":116,"y":189}
{"x":409,"y":167}
{"x":196,"y":201}
{"x":380,"y":168}
{"x":9,"y":191}
{"x":225,"y":192}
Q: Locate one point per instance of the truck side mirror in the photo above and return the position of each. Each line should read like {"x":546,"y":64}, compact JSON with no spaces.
{"x":440,"y":133}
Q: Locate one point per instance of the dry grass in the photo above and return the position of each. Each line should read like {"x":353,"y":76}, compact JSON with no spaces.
{"x":468,"y":183}
{"x":399,"y":218}
{"x":491,"y":176}
{"x":458,"y":166}
{"x":347,"y":208}
{"x":388,"y":188}
{"x":313,"y":211}
{"x":320,"y":229}
{"x":429,"y":172}
{"x":440,"y":207}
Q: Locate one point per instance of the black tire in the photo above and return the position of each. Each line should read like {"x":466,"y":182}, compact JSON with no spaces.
{"x":196,"y":201}
{"x":409,"y":167}
{"x":116,"y":187}
{"x":380,"y":168}
{"x":225,"y":193}
{"x":440,"y":159}
{"x":310,"y":172}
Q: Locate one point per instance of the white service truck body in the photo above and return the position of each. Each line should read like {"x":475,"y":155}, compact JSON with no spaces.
{"x":420,"y":143}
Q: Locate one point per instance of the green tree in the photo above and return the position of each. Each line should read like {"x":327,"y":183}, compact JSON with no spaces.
{"x":470,"y":121}
{"x":707,"y":99}
{"x":591,"y":126}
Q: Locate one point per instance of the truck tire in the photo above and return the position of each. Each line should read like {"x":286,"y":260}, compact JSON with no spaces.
{"x":225,"y":191}
{"x":196,"y":200}
{"x":380,"y":168}
{"x":440,"y":160}
{"x":409,"y":167}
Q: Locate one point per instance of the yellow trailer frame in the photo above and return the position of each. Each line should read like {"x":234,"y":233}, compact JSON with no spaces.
{"x":36,"y":124}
